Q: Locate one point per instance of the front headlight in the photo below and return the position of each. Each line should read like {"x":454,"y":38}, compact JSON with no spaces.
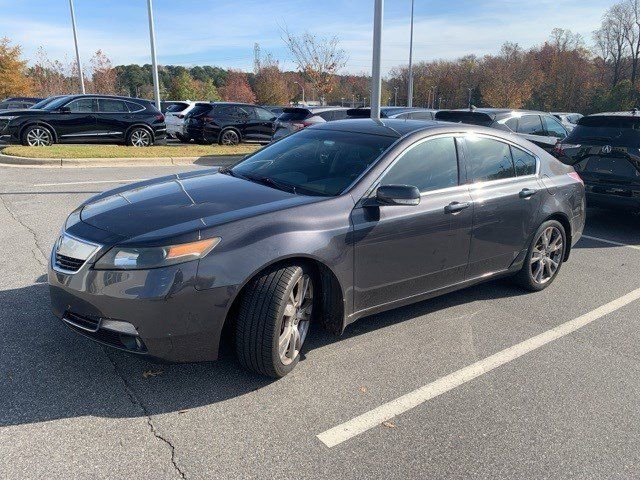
{"x":133,"y":258}
{"x":8,"y":118}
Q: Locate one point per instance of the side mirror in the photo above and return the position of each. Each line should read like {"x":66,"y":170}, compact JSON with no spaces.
{"x":64,"y":109}
{"x":398,"y":195}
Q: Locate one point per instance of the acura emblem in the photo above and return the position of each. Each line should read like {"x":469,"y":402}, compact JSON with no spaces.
{"x":606,"y":149}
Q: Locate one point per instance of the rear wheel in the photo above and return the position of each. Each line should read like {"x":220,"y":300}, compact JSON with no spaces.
{"x":229,"y":137}
{"x":139,"y":137}
{"x":544,"y":258}
{"x":37,"y":136}
{"x":273,"y":320}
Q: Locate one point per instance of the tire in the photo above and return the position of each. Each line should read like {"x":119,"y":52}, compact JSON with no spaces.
{"x":229,"y":137}
{"x":544,"y":258}
{"x":273,"y":320}
{"x":182,"y":138}
{"x":37,"y":136}
{"x":139,"y":137}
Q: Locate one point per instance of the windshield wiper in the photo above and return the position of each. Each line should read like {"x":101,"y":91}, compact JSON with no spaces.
{"x":270,"y":182}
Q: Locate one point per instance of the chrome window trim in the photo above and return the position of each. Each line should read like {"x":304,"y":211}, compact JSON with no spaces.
{"x":97,"y":248}
{"x":90,"y":134}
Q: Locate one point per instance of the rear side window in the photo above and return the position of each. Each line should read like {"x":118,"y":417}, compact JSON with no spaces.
{"x":530,"y":124}
{"x":263,"y":114}
{"x":108,"y":105}
{"x":177,"y":107}
{"x":488,"y":160}
{"x":430,"y":165}
{"x":134,"y":107}
{"x":82,"y":105}
{"x":421,"y":116}
{"x":329,"y":115}
{"x":292,"y":115}
{"x":200,"y":110}
{"x":524,"y":162}
{"x":553,"y":127}
{"x":512,"y":123}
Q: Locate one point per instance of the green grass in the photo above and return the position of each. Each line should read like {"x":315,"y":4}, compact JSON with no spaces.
{"x":120,"y":151}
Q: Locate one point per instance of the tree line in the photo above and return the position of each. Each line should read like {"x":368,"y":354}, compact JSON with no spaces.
{"x":561,"y":73}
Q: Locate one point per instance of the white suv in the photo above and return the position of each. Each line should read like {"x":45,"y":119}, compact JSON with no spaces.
{"x":174,"y":117}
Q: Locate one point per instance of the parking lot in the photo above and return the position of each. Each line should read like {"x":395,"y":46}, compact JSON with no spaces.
{"x":563,"y":404}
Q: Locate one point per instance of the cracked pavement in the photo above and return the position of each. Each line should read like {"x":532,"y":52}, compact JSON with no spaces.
{"x":70,"y":408}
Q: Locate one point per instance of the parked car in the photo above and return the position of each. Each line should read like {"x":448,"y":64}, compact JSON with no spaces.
{"x":174,"y":118}
{"x":409,"y":113}
{"x":166,"y":104}
{"x":84,"y":119}
{"x":294,"y":119}
{"x":541,"y":128}
{"x":328,"y":225}
{"x":568,"y":119}
{"x":229,"y":123}
{"x":18,"y":103}
{"x":605,"y":150}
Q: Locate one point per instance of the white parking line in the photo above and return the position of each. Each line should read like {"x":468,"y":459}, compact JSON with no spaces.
{"x":95,"y":182}
{"x":611,"y":242}
{"x":383,"y":413}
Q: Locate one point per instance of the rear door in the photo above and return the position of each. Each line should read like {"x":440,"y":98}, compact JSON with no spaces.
{"x":79,"y":123}
{"x":265,"y":123}
{"x":506,"y":196}
{"x":404,"y":251}
{"x":112,"y":118}
{"x":530,"y":127}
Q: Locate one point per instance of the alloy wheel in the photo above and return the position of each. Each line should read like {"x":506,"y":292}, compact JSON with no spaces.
{"x":547,"y":255}
{"x":296,"y":319}
{"x":38,"y":137}
{"x":230,"y":138}
{"x":140,"y":138}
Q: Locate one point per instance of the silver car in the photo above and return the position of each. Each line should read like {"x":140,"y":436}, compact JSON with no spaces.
{"x":294,"y":119}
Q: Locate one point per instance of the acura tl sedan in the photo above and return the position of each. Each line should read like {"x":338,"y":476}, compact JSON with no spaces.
{"x":328,"y":225}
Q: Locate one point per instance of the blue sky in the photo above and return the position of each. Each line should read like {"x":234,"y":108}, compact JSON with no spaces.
{"x":222,"y":32}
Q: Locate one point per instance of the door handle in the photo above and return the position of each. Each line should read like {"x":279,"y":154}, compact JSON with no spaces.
{"x":455,"y":207}
{"x":527,"y":192}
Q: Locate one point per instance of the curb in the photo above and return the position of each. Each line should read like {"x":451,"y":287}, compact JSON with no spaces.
{"x":217,"y":160}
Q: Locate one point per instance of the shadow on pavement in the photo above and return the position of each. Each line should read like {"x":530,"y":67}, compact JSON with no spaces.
{"x":48,"y":372}
{"x":613,"y":225}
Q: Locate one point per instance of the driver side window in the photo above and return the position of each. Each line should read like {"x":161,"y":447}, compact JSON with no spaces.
{"x":429,"y":165}
{"x":82,"y":105}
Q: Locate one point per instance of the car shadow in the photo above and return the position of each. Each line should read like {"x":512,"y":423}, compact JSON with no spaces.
{"x":48,"y":372}
{"x":613,"y":225}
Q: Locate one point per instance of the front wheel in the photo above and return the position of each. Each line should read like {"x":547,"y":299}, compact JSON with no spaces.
{"x":544,"y":258}
{"x":37,"y":136}
{"x":139,"y":137}
{"x":229,"y":137}
{"x":273,"y":321}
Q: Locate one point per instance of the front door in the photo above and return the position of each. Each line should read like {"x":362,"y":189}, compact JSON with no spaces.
{"x":404,"y":251}
{"x":77,"y":122}
{"x":506,"y":195}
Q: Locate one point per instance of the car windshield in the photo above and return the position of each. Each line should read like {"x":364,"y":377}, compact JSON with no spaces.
{"x":314,"y":161}
{"x":46,"y":101}
{"x":58,"y":102}
{"x":603,"y":129}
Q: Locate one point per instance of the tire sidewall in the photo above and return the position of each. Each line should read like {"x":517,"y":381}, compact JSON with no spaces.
{"x":31,"y":127}
{"x":529,"y":277}
{"x":135,"y":129}
{"x":230,"y":130}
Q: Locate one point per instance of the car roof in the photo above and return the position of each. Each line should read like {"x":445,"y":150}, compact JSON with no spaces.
{"x":22,"y":99}
{"x":388,"y":127}
{"x":114,"y":97}
{"x":631,"y":113}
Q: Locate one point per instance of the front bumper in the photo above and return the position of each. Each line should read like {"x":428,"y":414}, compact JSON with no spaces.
{"x":170,"y":320}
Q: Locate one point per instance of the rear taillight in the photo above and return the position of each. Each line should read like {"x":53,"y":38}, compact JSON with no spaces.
{"x":576,"y":177}
{"x":159,"y":117}
{"x":561,"y":148}
{"x":300,"y":125}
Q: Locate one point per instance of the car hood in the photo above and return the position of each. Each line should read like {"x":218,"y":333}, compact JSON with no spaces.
{"x":170,"y":207}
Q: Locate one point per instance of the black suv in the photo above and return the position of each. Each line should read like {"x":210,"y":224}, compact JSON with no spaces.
{"x":229,"y":123}
{"x":86,"y":119}
{"x":15,"y":103}
{"x":541,"y":128}
{"x":605,"y":150}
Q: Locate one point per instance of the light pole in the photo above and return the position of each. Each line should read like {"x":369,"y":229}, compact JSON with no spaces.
{"x":75,"y":41}
{"x":395,"y":97}
{"x":301,"y":87}
{"x":376,"y":74}
{"x":154,"y":63}
{"x":470,"y":94}
{"x":410,"y":87}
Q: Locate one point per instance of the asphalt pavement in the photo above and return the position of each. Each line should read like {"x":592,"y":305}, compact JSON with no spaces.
{"x":568,"y":408}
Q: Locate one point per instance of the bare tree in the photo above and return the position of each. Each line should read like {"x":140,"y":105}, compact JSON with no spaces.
{"x":611,"y":38}
{"x":318,"y":58}
{"x":632,"y":34}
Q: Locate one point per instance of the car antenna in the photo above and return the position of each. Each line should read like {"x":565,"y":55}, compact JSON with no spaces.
{"x":472,"y":108}
{"x":634,"y":111}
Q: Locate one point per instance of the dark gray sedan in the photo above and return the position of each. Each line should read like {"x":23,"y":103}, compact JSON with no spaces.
{"x":323,"y":227}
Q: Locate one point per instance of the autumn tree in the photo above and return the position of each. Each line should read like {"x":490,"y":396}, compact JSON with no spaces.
{"x":207,"y":90}
{"x":50,"y":77}
{"x":270,"y":86}
{"x":508,"y":79}
{"x":237,"y":89}
{"x":103,"y":77}
{"x":183,"y":87}
{"x":13,"y":71}
{"x":318,"y":59}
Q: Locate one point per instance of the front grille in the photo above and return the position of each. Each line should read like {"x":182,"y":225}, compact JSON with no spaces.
{"x":68,"y":263}
{"x":85,"y":323}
